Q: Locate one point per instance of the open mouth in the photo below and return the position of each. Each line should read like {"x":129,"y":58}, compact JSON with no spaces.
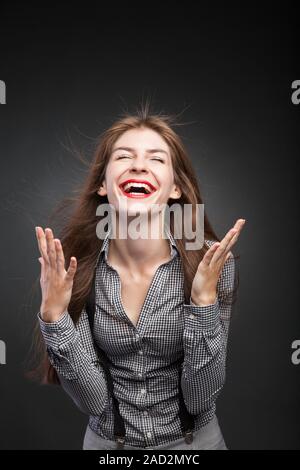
{"x":137,"y":189}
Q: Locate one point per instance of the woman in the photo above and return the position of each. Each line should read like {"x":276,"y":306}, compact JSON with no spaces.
{"x":162,"y":312}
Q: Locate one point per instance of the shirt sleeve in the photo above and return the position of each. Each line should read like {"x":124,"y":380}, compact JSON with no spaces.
{"x":205,"y":339}
{"x":71,"y":351}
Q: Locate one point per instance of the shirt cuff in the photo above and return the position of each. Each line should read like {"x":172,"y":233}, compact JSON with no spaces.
{"x":58,"y":333}
{"x":204,"y":317}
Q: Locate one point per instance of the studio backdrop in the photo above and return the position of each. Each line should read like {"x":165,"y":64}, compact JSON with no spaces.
{"x":232,"y":78}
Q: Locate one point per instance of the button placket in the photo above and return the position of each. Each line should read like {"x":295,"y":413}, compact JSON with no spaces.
{"x":149,"y":437}
{"x":151,"y":300}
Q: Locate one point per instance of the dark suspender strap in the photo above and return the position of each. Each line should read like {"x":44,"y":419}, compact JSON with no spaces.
{"x":186,"y":419}
{"x":119,"y":426}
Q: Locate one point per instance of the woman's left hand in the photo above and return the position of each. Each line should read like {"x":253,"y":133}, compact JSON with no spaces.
{"x":204,"y":287}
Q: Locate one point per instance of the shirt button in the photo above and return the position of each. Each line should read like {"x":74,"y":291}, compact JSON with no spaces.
{"x":149,"y":434}
{"x":145,"y":413}
{"x":140,"y":374}
{"x":140,"y":351}
{"x":143,"y":391}
{"x":54,"y":335}
{"x":192,"y":317}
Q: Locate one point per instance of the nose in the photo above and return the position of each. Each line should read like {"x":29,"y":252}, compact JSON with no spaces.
{"x":139,"y":166}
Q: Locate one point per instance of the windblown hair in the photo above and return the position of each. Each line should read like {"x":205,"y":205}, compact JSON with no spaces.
{"x":78,"y":236}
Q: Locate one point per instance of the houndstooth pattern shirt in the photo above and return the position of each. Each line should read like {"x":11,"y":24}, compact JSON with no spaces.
{"x":145,"y":357}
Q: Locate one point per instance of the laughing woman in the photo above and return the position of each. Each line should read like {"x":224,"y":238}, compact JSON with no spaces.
{"x":135,"y":329}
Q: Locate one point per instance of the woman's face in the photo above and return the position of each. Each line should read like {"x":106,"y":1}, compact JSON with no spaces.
{"x":139,"y":172}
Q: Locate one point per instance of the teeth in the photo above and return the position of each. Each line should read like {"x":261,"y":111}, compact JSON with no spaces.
{"x":138,"y":185}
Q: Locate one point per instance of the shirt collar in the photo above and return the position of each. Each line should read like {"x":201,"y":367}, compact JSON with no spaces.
{"x":172,"y":243}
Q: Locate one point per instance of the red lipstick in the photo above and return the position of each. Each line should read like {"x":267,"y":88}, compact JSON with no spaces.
{"x":137,"y":195}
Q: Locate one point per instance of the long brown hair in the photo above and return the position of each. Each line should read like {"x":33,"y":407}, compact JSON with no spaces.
{"x":78,"y":236}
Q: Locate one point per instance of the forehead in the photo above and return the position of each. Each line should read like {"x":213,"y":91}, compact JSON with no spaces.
{"x":141,"y":139}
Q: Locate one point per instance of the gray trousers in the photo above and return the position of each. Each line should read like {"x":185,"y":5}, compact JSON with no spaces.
{"x":209,"y":437}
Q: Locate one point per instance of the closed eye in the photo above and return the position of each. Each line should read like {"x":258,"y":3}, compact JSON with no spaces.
{"x":129,"y":156}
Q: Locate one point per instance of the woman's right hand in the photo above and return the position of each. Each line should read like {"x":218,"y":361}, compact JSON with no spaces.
{"x":56,"y":283}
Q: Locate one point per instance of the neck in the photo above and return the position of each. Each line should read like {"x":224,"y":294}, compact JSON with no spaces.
{"x":141,"y":254}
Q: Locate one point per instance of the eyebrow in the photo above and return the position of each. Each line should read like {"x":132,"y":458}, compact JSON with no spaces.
{"x":130,"y":149}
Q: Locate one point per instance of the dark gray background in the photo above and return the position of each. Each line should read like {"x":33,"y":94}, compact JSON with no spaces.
{"x":69,"y":71}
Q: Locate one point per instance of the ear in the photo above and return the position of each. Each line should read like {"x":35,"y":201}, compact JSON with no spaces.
{"x":175,"y":193}
{"x":102,"y":190}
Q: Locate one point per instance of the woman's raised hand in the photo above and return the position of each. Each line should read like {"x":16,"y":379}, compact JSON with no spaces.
{"x":204,"y":287}
{"x":56,"y":283}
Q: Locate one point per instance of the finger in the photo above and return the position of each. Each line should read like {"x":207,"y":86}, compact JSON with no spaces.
{"x":42,"y":263}
{"x":50,"y":247}
{"x":42,"y":243}
{"x":236,"y":236}
{"x":222,"y":251}
{"x":71,"y":269}
{"x":239,"y":224}
{"x":60,"y":259}
{"x":209,"y":254}
{"x":233,"y":241}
